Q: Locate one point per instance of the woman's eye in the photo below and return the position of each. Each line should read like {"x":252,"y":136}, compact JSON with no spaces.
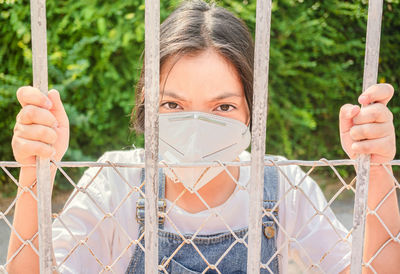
{"x":170,"y":105}
{"x":225,"y":108}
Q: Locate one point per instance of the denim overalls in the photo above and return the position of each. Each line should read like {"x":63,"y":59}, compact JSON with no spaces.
{"x":188,"y":260}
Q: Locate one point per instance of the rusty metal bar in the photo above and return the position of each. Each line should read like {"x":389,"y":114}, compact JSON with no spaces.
{"x":152,"y":82}
{"x":39,"y":64}
{"x":259,"y":121}
{"x":363,"y":161}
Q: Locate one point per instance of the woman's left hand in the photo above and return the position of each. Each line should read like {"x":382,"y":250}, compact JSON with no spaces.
{"x":370,"y":129}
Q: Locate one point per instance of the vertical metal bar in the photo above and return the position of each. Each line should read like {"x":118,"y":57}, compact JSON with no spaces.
{"x":259,"y":121}
{"x":39,"y":64}
{"x":363,"y":161}
{"x":152,"y":82}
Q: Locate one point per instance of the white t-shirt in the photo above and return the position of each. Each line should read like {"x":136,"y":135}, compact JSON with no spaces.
{"x":309,"y":238}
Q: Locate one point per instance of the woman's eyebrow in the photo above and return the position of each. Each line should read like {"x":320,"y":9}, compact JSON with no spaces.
{"x":225,"y":95}
{"x":221,"y":96}
{"x":173,"y":95}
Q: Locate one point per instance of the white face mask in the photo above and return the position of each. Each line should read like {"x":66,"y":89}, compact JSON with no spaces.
{"x":199,"y":137}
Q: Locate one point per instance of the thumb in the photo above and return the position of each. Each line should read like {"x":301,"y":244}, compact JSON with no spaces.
{"x":346,"y":115}
{"x":58,"y":108}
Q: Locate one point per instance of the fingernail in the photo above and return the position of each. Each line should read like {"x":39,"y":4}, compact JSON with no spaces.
{"x":362,"y":98}
{"x":54,"y":90}
{"x":57,"y":92}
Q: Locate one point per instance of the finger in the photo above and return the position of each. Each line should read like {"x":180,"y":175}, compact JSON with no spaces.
{"x":375,"y":113}
{"x":371,"y":131}
{"x":36,"y":133}
{"x":346,"y":114}
{"x":32,"y":96}
{"x":382,"y":146}
{"x":58,"y":108}
{"x":31,"y":114}
{"x":379,"y":93}
{"x":27,"y":148}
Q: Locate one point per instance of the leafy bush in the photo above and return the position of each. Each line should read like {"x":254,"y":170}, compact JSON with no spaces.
{"x":94,"y":48}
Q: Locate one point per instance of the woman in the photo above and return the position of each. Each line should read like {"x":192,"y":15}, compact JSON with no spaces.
{"x":205,"y":113}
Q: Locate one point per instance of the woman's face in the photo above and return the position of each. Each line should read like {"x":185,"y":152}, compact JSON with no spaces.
{"x":203,"y":82}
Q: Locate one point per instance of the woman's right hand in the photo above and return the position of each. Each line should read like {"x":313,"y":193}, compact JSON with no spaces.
{"x":42,"y":126}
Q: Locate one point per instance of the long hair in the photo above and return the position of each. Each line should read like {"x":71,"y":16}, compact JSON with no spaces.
{"x":194,"y":27}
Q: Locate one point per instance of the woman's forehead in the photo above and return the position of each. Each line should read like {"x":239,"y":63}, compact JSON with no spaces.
{"x":216,"y":95}
{"x":206,"y":73}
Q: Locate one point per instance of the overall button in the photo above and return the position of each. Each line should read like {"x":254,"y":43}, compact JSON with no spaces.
{"x":269,"y":231}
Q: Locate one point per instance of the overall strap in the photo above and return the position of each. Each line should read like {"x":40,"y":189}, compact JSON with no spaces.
{"x":140,"y":210}
{"x":271,"y":197}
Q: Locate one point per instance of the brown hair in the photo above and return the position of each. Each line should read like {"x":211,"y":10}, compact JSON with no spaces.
{"x":194,"y":27}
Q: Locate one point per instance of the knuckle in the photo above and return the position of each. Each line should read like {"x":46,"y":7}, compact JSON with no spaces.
{"x":389,"y":115}
{"x":359,"y":147}
{"x":387,"y":148}
{"x":356,"y":147}
{"x":14,"y":142}
{"x":28,"y":115}
{"x":392,"y":129}
{"x":45,"y":150}
{"x":43,"y":100}
{"x":42,"y":132}
{"x":364,"y":149}
{"x":367,"y":132}
{"x":18,"y":118}
{"x":17,"y":150}
{"x":53,"y":136}
{"x":353,"y":133}
{"x":21,"y":117}
{"x":30,"y":112}
{"x":381,"y":106}
{"x":39,"y":149}
{"x":50,"y":135}
{"x":377,"y":110}
{"x":17,"y":129}
{"x":378,"y":107}
{"x":52,"y":119}
{"x":394,"y":149}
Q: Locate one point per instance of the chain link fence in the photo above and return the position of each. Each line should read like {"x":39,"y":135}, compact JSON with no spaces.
{"x":296,"y":217}
{"x":294,"y":185}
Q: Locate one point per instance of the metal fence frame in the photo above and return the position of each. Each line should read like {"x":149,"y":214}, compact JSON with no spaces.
{"x":261,"y":64}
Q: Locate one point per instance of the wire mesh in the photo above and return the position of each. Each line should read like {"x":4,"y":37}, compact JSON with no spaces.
{"x":112,"y":213}
{"x":109,"y":214}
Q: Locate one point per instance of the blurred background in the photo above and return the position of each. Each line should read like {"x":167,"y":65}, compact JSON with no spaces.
{"x":95,"y":46}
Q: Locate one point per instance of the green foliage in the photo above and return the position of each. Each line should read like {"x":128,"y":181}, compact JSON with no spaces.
{"x":316,"y":66}
{"x":94,"y":46}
